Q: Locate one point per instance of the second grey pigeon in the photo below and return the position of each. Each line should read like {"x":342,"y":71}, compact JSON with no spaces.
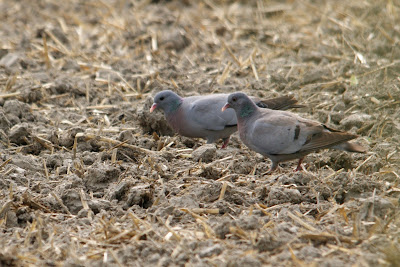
{"x":282,"y":135}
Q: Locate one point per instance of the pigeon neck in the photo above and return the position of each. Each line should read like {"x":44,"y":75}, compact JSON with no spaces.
{"x":247,"y":110}
{"x":173,"y":106}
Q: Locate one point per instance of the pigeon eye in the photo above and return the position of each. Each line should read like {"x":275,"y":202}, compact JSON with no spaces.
{"x":162,"y":98}
{"x":234,"y":99}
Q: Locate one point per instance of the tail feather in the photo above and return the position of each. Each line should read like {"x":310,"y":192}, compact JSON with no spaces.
{"x":279,"y":103}
{"x":350,"y":147}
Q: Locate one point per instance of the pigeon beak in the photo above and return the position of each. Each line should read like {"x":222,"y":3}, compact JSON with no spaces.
{"x":225,"y":107}
{"x":153,"y":107}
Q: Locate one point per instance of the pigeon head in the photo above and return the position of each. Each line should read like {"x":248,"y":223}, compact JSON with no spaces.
{"x":241,"y":103}
{"x":166,"y":100}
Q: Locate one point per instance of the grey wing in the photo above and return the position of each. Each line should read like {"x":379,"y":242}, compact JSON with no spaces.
{"x":282,"y":133}
{"x":277,"y":103}
{"x":206,"y":112}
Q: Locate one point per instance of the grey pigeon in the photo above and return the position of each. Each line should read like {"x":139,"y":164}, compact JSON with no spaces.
{"x":282,"y":135}
{"x":201,"y":116}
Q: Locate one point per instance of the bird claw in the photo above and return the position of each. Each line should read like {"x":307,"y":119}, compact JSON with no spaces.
{"x":299,"y":168}
{"x":225,"y":144}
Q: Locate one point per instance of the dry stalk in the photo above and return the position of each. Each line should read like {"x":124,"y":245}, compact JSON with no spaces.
{"x":9,"y":84}
{"x":258,"y":206}
{"x":137,"y":149}
{"x":27,"y":199}
{"x":61,"y":47}
{"x":231,"y":54}
{"x":116,"y":258}
{"x":46,"y":53}
{"x":5,"y":209}
{"x":203,"y":210}
{"x":225,"y":74}
{"x":10,"y":95}
{"x":365,"y":161}
{"x":61,"y":203}
{"x":5,"y":163}
{"x":207,"y":229}
{"x":197,"y":217}
{"x":175,"y":234}
{"x":223,"y":190}
{"x":295,"y":260}
{"x":46,"y":172}
{"x":45,"y":143}
{"x":114,"y":155}
{"x":301,"y":222}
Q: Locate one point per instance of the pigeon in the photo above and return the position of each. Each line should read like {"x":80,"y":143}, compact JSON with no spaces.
{"x":282,"y":135}
{"x":201,"y":116}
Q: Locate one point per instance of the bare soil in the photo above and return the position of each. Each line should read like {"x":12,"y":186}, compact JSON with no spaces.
{"x":88,"y":177}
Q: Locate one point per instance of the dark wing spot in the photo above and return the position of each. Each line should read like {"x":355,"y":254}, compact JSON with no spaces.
{"x":297,"y":132}
{"x":262,"y":105}
{"x":230,"y":125}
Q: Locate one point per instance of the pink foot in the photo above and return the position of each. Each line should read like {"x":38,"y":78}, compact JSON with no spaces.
{"x":225,"y":144}
{"x":299,"y":167}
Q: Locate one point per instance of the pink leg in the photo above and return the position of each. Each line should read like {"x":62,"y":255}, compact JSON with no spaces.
{"x":299,"y":167}
{"x":225,"y":144}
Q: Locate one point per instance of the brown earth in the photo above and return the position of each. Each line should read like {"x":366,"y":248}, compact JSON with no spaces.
{"x":89,"y":178}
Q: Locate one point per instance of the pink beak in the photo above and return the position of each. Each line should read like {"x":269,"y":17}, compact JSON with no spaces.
{"x":153,"y":107}
{"x":225,"y":107}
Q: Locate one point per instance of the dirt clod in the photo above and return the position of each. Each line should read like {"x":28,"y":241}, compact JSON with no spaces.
{"x":20,"y":134}
{"x":99,"y":176}
{"x":355,"y":120}
{"x":205,"y":153}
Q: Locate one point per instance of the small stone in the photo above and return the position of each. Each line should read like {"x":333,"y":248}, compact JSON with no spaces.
{"x":9,"y":60}
{"x":355,"y":120}
{"x":5,"y":124}
{"x":309,"y":253}
{"x":96,"y":205}
{"x":71,"y":64}
{"x":67,"y":138}
{"x":83,"y":213}
{"x":210,"y":251}
{"x":246,"y":261}
{"x":120,"y":191}
{"x":20,"y":134}
{"x":17,"y":108}
{"x":125,"y":136}
{"x":3,"y":137}
{"x":248,"y":222}
{"x":267,"y":243}
{"x":12,"y":220}
{"x":375,"y":206}
{"x":206,"y":153}
{"x":278,"y":195}
{"x":167,"y":155}
{"x":186,"y":201}
{"x":71,"y":200}
{"x":141,"y":195}
{"x":99,"y":176}
{"x":53,"y":161}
